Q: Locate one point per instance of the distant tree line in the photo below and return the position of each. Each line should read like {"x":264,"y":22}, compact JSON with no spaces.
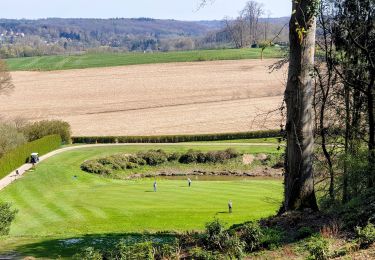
{"x":26,"y":38}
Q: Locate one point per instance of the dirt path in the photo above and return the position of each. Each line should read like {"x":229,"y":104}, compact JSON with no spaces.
{"x":7,"y":180}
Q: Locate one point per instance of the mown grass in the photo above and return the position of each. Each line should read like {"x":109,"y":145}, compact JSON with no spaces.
{"x":93,"y":60}
{"x":52,"y":203}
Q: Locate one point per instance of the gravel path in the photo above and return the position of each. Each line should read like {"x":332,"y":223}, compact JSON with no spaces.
{"x":24,"y":168}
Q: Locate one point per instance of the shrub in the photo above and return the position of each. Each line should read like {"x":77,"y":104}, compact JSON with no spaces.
{"x":251,"y":233}
{"x":272,"y":238}
{"x":215,"y":236}
{"x":44,"y":128}
{"x":7,"y":216}
{"x":168,"y":251}
{"x":234,"y":247}
{"x":138,"y":251}
{"x":88,"y":253}
{"x":366,"y":235}
{"x":93,"y":166}
{"x":20,"y":155}
{"x":198,"y":253}
{"x":318,"y":247}
{"x":153,"y":157}
{"x":173,"y":157}
{"x":304,"y":232}
{"x":10,"y":138}
{"x":190,"y":157}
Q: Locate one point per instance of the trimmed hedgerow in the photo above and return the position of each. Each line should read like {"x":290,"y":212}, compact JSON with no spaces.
{"x":175,"y":138}
{"x":20,"y":155}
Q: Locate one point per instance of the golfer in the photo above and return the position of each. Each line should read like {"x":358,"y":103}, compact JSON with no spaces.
{"x":155,"y":186}
{"x":189,"y":181}
{"x":230,"y":205}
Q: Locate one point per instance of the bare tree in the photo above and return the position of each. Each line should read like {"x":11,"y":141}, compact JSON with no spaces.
{"x":5,"y":79}
{"x":299,"y":181}
{"x":251,"y":13}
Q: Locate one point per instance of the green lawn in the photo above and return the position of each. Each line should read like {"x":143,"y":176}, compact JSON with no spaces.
{"x":92,"y":60}
{"x":53,"y":204}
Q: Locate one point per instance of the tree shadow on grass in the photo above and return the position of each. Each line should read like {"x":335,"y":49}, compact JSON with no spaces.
{"x":67,"y":247}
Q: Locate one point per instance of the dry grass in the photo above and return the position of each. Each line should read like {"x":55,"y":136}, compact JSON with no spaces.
{"x":175,"y":98}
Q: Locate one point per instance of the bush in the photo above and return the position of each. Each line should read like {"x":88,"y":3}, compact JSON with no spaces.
{"x":7,"y":216}
{"x":272,"y":238}
{"x":190,"y":157}
{"x":88,"y":253}
{"x":168,"y":251}
{"x":198,"y":253}
{"x":44,"y":128}
{"x":94,"y":166}
{"x":251,"y":233}
{"x":173,"y":157}
{"x":10,"y":138}
{"x":304,"y":232}
{"x":215,"y":236}
{"x":366,"y":235}
{"x":139,"y":251}
{"x":318,"y":247}
{"x":153,"y":157}
{"x":20,"y":155}
{"x":234,"y":247}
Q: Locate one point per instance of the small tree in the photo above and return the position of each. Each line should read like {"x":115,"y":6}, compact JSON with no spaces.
{"x":5,"y":79}
{"x":7,"y":215}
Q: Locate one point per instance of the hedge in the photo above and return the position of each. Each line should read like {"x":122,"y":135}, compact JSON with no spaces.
{"x":175,"y":138}
{"x":20,"y":155}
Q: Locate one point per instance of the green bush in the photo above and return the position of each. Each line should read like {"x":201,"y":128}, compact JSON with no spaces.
{"x":234,"y":247}
{"x":210,"y":157}
{"x":20,"y":155}
{"x":138,"y":251}
{"x":198,"y":253}
{"x":176,"y":138}
{"x":251,"y":233}
{"x":94,"y":166}
{"x":173,"y":157}
{"x":190,"y":157}
{"x":153,"y":157}
{"x":318,"y":247}
{"x":272,"y":238}
{"x":168,"y":251}
{"x":7,"y":216}
{"x":44,"y":128}
{"x":10,"y":138}
{"x":304,"y":232}
{"x":215,"y":235}
{"x":88,"y":253}
{"x":366,"y":235}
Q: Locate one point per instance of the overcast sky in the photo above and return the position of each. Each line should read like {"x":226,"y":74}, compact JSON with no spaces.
{"x":163,"y":9}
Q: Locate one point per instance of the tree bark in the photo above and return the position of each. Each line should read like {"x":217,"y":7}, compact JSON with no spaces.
{"x":299,"y":179}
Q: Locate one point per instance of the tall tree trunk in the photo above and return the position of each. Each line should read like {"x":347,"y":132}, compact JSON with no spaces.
{"x":371,"y":122}
{"x":299,"y":179}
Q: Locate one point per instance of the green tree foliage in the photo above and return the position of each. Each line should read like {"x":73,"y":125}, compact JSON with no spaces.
{"x":7,"y":215}
{"x":37,"y":130}
{"x":10,"y":138}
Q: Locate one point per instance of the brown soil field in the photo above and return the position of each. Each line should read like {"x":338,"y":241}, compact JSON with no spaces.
{"x":174,"y":98}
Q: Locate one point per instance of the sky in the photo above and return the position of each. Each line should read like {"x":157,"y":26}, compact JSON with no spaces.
{"x":158,"y":9}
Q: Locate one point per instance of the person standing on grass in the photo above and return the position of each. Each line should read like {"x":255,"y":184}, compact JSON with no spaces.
{"x":155,"y":186}
{"x":189,"y":181}
{"x":230,"y":205}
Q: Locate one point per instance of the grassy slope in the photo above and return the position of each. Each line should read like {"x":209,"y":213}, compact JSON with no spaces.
{"x":52,"y":203}
{"x":92,"y":60}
